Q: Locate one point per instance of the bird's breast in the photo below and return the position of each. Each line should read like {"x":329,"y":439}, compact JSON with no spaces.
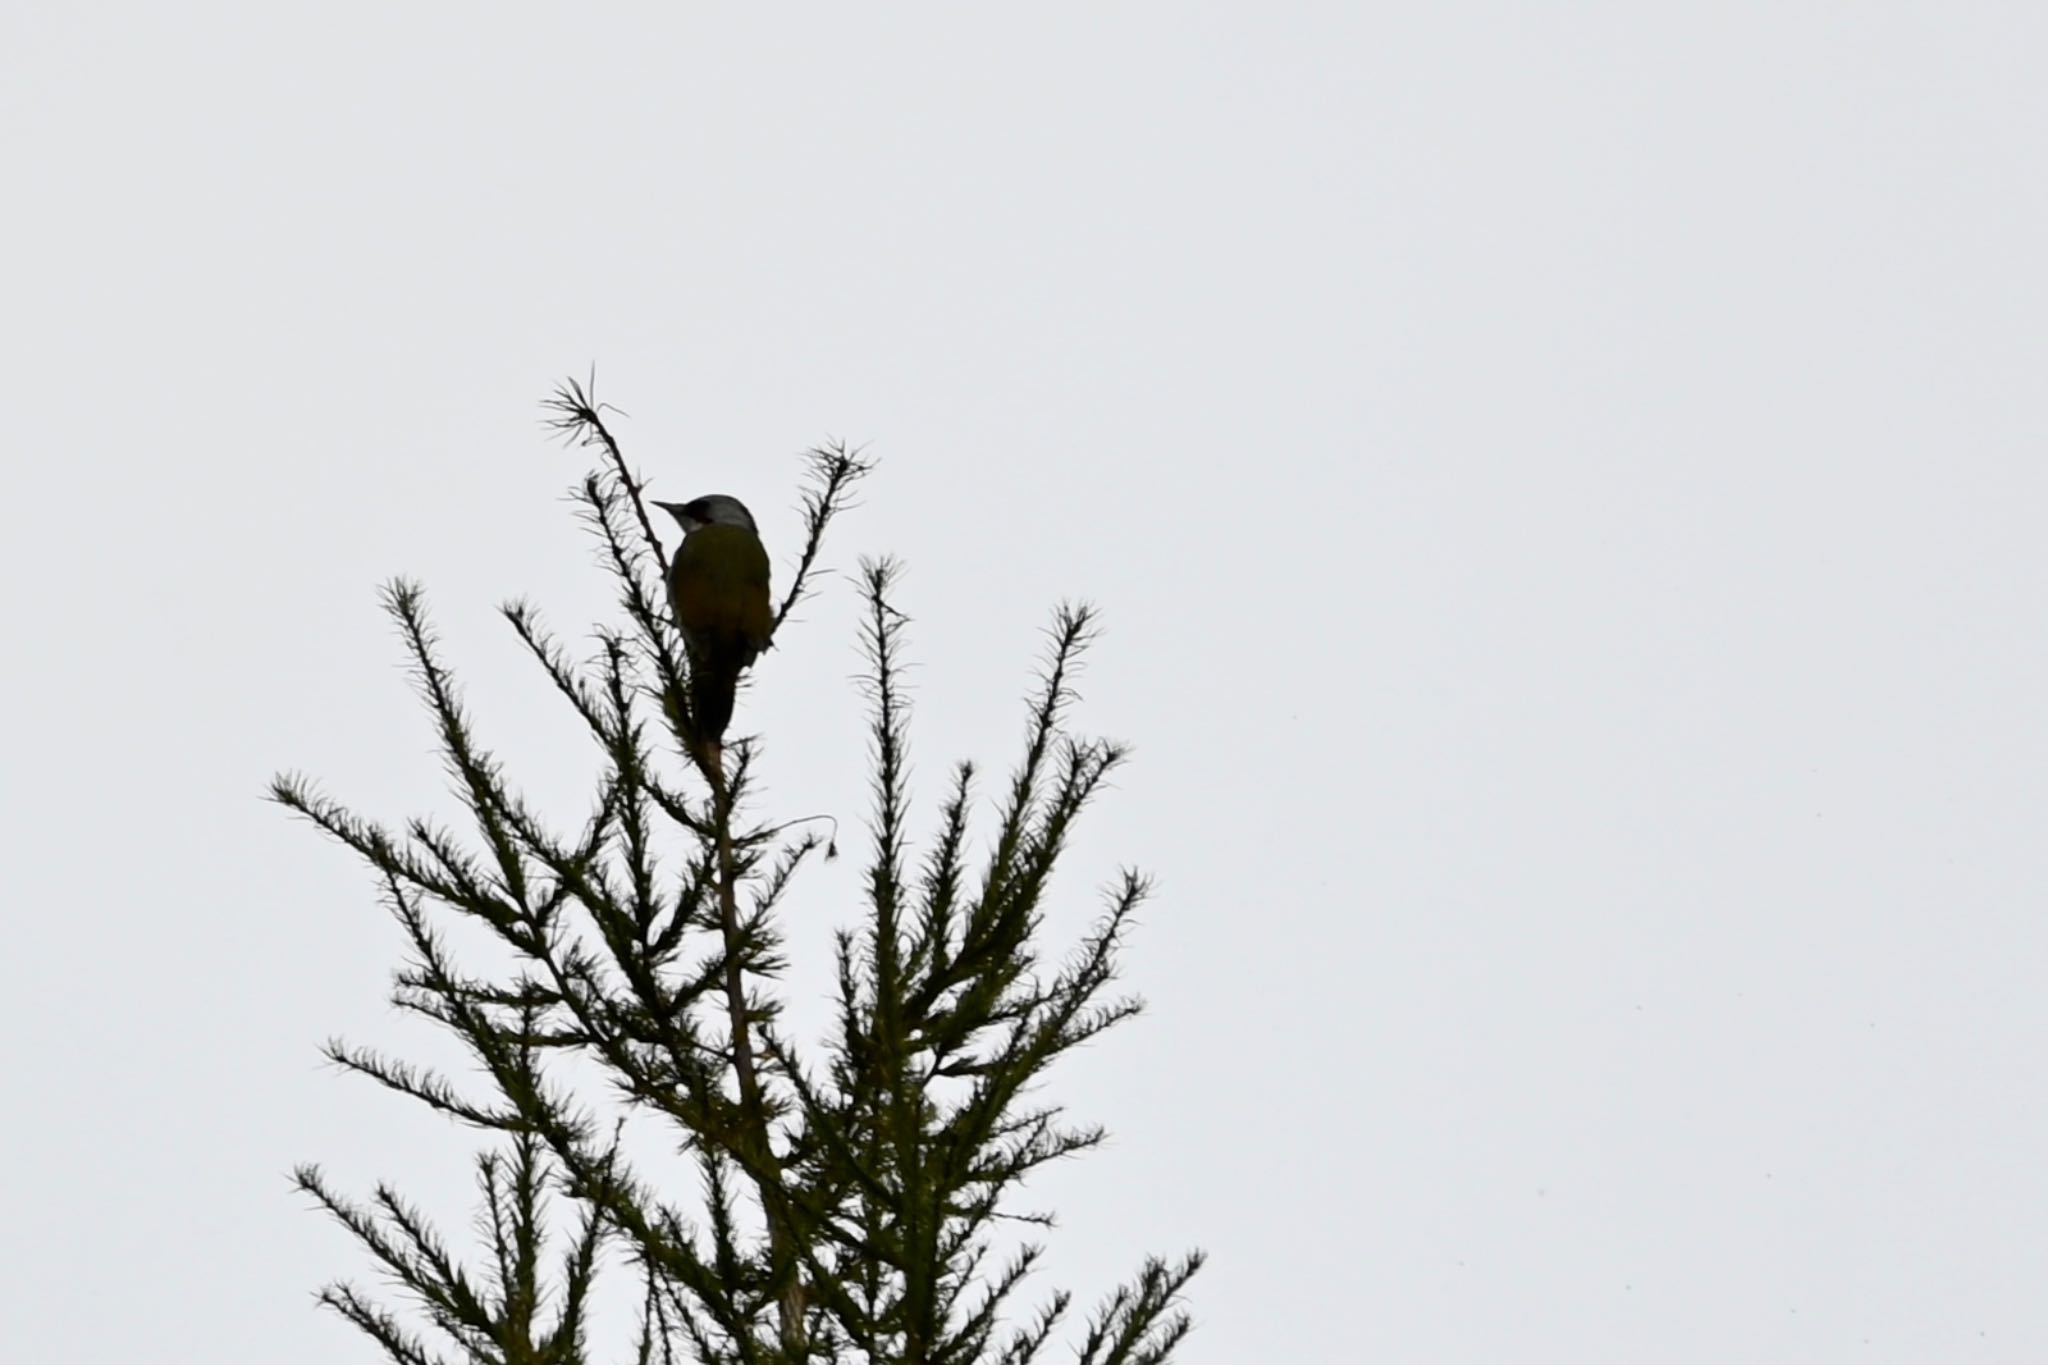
{"x":718,"y":585}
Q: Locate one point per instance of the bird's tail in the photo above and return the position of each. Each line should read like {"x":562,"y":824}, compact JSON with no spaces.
{"x":712,"y":685}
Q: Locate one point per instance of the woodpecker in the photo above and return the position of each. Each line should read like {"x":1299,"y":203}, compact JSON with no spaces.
{"x":718,"y":590}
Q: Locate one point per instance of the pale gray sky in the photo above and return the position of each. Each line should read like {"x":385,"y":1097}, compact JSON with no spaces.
{"x":1566,"y":488}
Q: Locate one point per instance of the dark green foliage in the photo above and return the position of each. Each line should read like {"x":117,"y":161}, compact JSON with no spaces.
{"x":849,"y":1207}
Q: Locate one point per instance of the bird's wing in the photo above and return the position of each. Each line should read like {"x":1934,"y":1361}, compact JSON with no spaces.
{"x":718,"y":586}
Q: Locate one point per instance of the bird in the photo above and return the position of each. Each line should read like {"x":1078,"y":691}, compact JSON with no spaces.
{"x":718,"y":590}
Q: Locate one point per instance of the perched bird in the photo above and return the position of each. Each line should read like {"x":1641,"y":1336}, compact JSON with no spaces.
{"x":718,"y":590}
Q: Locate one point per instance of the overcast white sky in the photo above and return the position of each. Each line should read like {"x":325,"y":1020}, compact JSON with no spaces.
{"x":1565,"y":484}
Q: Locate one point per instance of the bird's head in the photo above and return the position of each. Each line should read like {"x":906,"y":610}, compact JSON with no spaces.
{"x":713,"y":509}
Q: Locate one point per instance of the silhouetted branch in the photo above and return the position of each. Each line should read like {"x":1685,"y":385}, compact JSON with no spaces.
{"x":835,"y":469}
{"x":579,"y":418}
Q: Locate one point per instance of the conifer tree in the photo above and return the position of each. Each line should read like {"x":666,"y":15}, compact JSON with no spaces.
{"x":854,"y":1200}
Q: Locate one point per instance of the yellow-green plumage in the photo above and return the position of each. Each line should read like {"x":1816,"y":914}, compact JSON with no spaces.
{"x":718,"y":589}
